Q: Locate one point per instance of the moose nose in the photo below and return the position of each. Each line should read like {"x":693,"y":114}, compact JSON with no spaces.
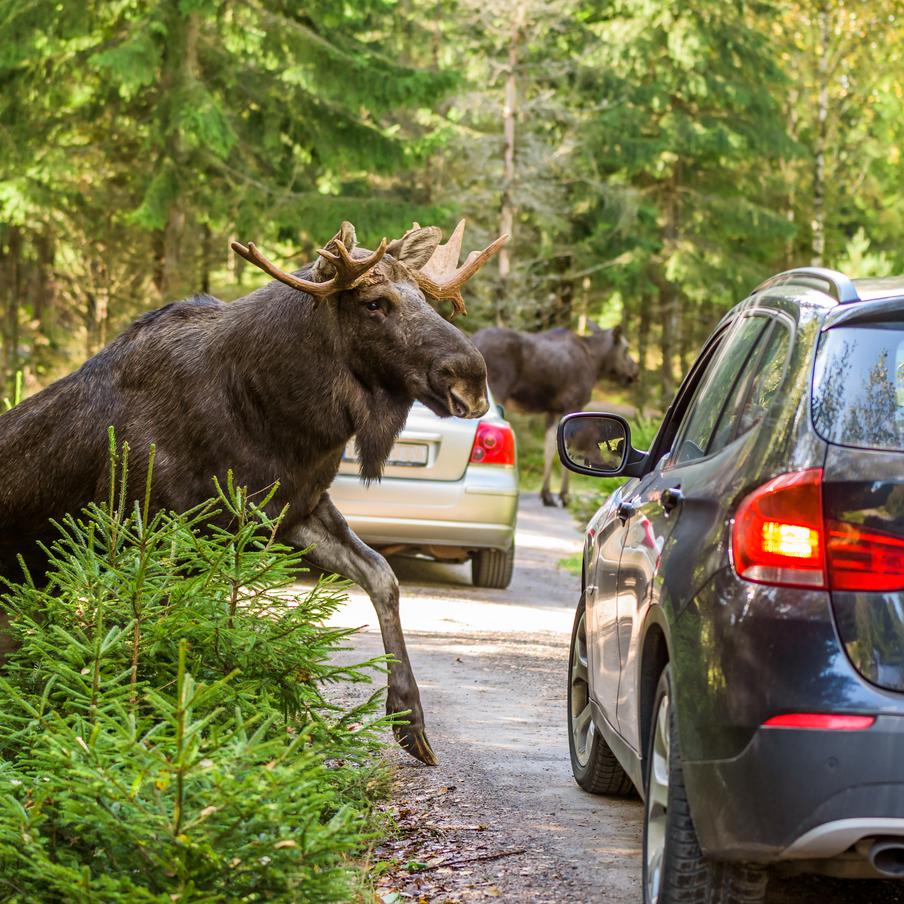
{"x":465,"y":403}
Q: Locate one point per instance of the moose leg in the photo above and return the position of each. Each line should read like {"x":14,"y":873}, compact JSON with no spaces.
{"x":549,"y":455}
{"x":336,"y":548}
{"x":563,"y":490}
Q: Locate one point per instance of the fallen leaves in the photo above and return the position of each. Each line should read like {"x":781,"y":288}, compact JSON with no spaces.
{"x":436,"y":857}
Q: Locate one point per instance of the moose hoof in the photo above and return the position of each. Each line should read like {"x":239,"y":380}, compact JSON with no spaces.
{"x":548,"y":499}
{"x":414,"y":741}
{"x":564,"y":499}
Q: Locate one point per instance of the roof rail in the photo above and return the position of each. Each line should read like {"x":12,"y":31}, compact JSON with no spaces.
{"x":831,"y":282}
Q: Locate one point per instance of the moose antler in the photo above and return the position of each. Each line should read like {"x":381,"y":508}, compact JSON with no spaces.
{"x":442,"y":278}
{"x":349,"y":271}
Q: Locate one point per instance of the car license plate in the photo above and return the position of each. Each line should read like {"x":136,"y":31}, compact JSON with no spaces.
{"x":406,"y":455}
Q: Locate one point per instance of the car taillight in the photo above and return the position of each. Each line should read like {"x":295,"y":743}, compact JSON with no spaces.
{"x":778,"y":533}
{"x":494,"y":444}
{"x":779,"y":536}
{"x":823,"y":721}
{"x":860,"y":559}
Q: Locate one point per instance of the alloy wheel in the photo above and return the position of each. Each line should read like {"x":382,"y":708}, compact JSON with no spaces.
{"x":582,"y":727}
{"x":657,"y":802}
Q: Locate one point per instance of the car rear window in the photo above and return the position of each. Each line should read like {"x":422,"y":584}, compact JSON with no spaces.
{"x":858,"y":386}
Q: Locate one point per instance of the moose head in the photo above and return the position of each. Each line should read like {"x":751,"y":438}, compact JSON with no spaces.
{"x":612,"y":354}
{"x":391,"y":335}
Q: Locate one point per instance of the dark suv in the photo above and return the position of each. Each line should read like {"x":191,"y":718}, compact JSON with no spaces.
{"x":738,"y":649}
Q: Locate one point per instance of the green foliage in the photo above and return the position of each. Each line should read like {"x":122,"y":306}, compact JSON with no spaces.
{"x":574,"y":563}
{"x":666,"y":157}
{"x":17,"y":393}
{"x":137,"y":139}
{"x":165,"y":735}
{"x":859,"y":258}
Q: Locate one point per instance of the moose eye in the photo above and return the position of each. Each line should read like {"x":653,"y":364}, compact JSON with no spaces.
{"x":373,"y":306}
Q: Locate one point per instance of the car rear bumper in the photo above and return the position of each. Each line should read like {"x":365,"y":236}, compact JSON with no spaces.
{"x":766,"y":794}
{"x":799,"y":794}
{"x":476,"y":512}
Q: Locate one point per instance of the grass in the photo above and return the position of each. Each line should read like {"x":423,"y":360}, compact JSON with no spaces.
{"x":572,"y":564}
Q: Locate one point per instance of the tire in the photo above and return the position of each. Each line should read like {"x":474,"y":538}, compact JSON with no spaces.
{"x":675,"y":871}
{"x":593,"y":764}
{"x":493,"y":567}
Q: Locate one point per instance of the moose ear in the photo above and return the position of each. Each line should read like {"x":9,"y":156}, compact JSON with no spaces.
{"x":617,"y":333}
{"x":416,"y":247}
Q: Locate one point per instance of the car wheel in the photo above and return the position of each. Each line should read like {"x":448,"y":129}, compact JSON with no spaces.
{"x":493,"y":567}
{"x":675,"y":870}
{"x":593,"y":763}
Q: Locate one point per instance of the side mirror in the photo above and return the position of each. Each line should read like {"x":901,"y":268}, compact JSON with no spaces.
{"x":597,"y":444}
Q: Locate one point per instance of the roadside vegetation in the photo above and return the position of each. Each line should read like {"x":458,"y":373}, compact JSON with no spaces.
{"x":653,"y":159}
{"x":164,"y":729}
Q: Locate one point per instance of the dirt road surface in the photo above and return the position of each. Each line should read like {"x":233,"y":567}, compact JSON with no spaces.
{"x":500,"y":817}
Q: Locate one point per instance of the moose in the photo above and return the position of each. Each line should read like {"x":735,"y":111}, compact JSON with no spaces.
{"x":552,"y":373}
{"x":271,"y":386}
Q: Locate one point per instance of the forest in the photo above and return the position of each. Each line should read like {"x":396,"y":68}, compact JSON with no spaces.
{"x":653,"y":159}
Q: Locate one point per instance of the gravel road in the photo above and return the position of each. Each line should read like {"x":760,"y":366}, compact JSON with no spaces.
{"x":501,"y":817}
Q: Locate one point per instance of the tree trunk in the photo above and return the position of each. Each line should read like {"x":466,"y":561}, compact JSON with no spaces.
{"x":180,"y":69}
{"x":668,"y":298}
{"x":507,"y":207}
{"x":822,"y":117}
{"x":45,"y":285}
{"x":90,"y":323}
{"x":158,"y":262}
{"x":668,"y":292}
{"x":205,"y":258}
{"x":643,"y":343}
{"x":11,"y":312}
{"x":172,"y":251}
{"x":563,"y":299}
{"x":789,"y":171}
{"x":583,"y":304}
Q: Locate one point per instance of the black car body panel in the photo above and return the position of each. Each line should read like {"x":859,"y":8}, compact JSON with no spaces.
{"x":755,"y":806}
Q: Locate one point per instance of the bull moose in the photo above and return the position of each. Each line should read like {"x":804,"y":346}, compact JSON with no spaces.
{"x":552,"y":373}
{"x":272,"y":386}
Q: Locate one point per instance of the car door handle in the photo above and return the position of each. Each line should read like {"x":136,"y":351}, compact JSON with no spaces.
{"x":671,"y":498}
{"x":625,"y":511}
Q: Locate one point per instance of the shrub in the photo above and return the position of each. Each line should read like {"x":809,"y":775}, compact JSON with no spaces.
{"x":164,"y":734}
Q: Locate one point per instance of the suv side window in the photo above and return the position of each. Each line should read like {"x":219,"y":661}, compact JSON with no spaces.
{"x":716,"y":389}
{"x":755,"y":389}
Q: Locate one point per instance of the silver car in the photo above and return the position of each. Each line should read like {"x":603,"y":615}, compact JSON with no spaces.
{"x":449,"y":492}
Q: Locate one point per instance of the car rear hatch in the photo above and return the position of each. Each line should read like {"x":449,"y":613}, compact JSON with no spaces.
{"x":429,"y":448}
{"x":858,"y":407}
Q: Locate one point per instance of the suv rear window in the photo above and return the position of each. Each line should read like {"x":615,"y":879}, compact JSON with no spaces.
{"x":858,"y":386}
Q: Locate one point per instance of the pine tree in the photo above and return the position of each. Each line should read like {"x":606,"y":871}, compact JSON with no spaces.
{"x":686,"y":141}
{"x":164,"y":735}
{"x":842,"y":103}
{"x":138,"y":138}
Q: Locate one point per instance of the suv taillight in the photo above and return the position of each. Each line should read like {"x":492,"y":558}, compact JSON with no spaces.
{"x":494,"y":444}
{"x":860,"y":559}
{"x":779,"y":536}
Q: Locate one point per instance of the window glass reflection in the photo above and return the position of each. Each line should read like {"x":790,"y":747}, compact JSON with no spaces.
{"x":858,"y":387}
